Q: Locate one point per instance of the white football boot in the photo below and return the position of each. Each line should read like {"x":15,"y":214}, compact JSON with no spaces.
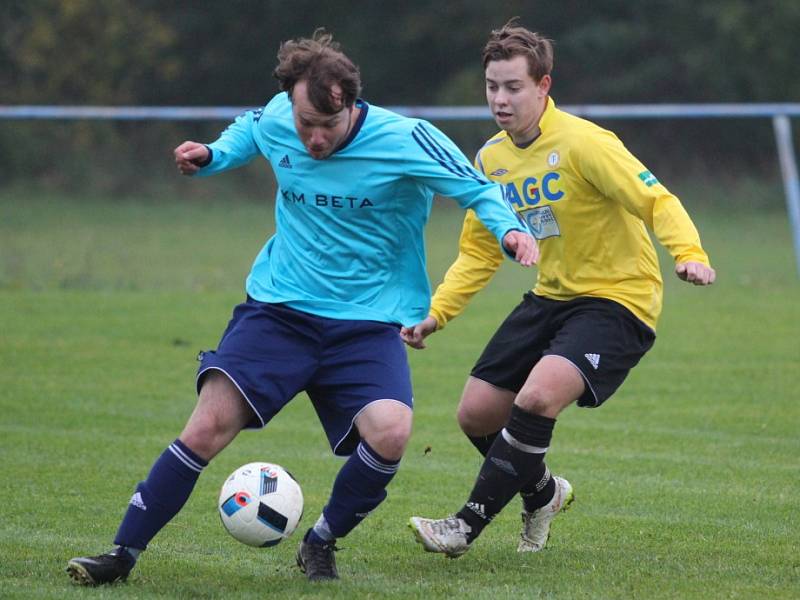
{"x":536,"y":524}
{"x":447,"y":536}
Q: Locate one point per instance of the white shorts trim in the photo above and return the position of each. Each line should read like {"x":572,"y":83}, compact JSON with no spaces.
{"x":353,"y":421}
{"x":585,"y":379}
{"x":238,"y":387}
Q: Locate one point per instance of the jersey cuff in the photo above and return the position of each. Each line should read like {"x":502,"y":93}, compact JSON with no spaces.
{"x":440,"y":318}
{"x":208,"y":159}
{"x":510,"y":255}
{"x":698,"y":257}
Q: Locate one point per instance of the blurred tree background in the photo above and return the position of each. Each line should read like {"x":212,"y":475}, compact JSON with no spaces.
{"x":119,"y":52}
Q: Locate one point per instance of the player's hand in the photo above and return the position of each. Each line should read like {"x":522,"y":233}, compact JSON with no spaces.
{"x":696,"y":273}
{"x":523,"y":246}
{"x":415,"y":336}
{"x":189,"y":156}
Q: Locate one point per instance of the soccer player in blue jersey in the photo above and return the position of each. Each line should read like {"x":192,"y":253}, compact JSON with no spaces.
{"x":326,"y":297}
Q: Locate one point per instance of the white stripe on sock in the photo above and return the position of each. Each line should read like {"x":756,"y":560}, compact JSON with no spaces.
{"x":374,"y":464}
{"x":181,"y":456}
{"x":184,"y":454}
{"x":515,"y":443}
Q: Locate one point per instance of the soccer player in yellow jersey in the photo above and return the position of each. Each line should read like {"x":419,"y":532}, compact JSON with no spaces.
{"x":592,"y":314}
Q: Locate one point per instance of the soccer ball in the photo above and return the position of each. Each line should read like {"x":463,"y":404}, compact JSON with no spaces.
{"x":260,"y":504}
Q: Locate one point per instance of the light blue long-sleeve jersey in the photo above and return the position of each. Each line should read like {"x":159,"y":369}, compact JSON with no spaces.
{"x":349,"y":229}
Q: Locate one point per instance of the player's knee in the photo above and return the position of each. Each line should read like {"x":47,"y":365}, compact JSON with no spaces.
{"x":469,"y":420}
{"x":476,"y":419}
{"x":538,"y":401}
{"x":390,"y":441}
{"x":207,"y":434}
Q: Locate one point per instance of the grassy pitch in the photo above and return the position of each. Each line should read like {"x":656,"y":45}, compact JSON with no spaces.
{"x":687,"y":481}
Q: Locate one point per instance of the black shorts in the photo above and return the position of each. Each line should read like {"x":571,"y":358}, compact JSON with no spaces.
{"x":602,"y":338}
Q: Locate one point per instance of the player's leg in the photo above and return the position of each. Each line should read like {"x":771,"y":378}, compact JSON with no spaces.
{"x":384,"y":427}
{"x":245,"y":382}
{"x":482,"y":412}
{"x":552,"y":386}
{"x":502,"y":370}
{"x":363,"y":398}
{"x":219,"y":415}
{"x":486,"y":405}
{"x":516,"y":453}
{"x":597,"y":343}
{"x":360,"y":486}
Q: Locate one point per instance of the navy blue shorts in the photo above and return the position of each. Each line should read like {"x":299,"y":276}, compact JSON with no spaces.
{"x":272,"y":352}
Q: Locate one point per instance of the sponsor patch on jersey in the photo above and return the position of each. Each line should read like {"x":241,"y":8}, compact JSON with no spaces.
{"x":542,"y":222}
{"x":553,"y":158}
{"x":498,"y":172}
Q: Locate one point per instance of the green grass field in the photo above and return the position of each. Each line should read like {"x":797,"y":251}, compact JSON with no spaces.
{"x":687,"y":481}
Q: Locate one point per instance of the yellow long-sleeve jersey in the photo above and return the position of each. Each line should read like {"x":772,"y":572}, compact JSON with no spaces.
{"x":589,"y":202}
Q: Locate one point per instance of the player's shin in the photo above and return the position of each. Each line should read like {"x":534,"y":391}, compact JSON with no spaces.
{"x":161,"y":496}
{"x":359,"y":488}
{"x":514,"y":459}
{"x":539,"y":488}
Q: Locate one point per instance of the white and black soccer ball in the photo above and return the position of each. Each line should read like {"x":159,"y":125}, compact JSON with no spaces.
{"x":260,"y":504}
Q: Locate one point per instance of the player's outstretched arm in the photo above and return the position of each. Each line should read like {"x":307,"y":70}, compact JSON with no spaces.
{"x":189,"y":157}
{"x":696,"y":273}
{"x":523,"y":246}
{"x":415,"y":335}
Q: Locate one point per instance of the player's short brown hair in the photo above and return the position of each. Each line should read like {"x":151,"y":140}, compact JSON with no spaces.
{"x":319,"y":61}
{"x":514,"y":40}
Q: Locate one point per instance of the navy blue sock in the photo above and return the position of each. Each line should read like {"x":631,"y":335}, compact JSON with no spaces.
{"x":359,"y":488}
{"x":159,"y":498}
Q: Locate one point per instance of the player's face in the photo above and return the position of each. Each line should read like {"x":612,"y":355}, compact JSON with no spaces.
{"x":516,"y":100}
{"x":320,"y":133}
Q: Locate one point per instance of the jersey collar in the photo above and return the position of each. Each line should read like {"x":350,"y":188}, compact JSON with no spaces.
{"x":547,"y":115}
{"x":544,"y":124}
{"x":361,"y":104}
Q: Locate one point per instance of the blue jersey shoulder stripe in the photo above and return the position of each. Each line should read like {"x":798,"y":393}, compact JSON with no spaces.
{"x":462,"y":168}
{"x":436,"y":158}
{"x":433,"y":149}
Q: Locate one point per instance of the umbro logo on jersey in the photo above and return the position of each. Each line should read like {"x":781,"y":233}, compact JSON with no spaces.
{"x":136,"y":500}
{"x":499,"y":172}
{"x":594,"y":360}
{"x":285,"y":162}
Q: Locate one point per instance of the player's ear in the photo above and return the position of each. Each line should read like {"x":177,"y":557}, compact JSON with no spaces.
{"x":544,"y":84}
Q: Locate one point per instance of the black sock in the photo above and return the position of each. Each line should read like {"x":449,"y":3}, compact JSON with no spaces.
{"x":539,"y":490}
{"x":535,"y":493}
{"x":512,"y":461}
{"x":483,"y":442}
